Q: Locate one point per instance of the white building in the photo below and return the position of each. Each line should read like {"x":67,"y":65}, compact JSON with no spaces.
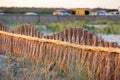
{"x":93,"y":13}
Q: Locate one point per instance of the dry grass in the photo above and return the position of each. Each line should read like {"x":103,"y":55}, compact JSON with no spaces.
{"x":27,"y":70}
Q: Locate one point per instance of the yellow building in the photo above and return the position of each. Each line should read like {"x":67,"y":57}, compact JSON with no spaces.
{"x":80,"y":12}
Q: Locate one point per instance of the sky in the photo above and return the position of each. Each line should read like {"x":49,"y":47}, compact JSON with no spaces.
{"x":61,"y":3}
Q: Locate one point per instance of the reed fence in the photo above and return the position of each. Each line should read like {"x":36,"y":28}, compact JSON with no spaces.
{"x":65,"y":50}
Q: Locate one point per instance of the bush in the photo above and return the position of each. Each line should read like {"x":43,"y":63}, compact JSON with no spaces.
{"x":111,"y":27}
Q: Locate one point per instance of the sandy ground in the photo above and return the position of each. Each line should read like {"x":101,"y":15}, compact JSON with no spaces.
{"x":111,"y":38}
